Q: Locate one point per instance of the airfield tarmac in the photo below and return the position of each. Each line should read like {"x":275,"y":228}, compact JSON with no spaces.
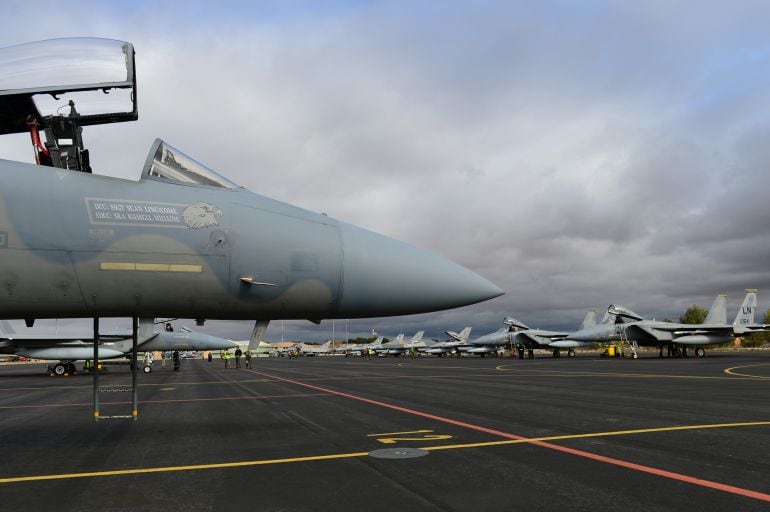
{"x":298,"y":434}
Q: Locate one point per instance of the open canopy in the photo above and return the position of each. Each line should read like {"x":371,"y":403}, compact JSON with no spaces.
{"x":40,"y":79}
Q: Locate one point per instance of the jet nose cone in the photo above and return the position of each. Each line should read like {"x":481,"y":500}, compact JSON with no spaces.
{"x":215,"y":343}
{"x":383,"y":277}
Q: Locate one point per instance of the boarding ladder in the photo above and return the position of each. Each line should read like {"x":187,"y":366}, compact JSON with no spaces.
{"x":116,"y":388}
{"x":625,"y":341}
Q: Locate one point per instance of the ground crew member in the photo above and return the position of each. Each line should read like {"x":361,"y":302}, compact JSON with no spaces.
{"x":247,"y":356}
{"x":175,"y":357}
{"x":226,"y":358}
{"x":370,"y":352}
{"x":238,"y":354}
{"x":210,"y":357}
{"x":531,"y":354}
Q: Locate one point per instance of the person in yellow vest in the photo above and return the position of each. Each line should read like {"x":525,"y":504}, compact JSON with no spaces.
{"x":226,"y":357}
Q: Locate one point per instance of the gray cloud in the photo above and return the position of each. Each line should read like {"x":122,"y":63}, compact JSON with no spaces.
{"x":574,"y":154}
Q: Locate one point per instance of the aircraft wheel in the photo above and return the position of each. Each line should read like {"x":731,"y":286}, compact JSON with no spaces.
{"x":634,"y":355}
{"x":676,"y":352}
{"x":147,"y":369}
{"x":59,"y":369}
{"x":71,"y":368}
{"x":571,"y":353}
{"x":700,"y":352}
{"x":556,"y":353}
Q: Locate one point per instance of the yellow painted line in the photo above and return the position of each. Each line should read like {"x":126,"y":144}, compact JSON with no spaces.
{"x":185,"y":268}
{"x":399,"y":433}
{"x":110,"y":265}
{"x":597,"y":434}
{"x":225,"y":465}
{"x":168,"y":469}
{"x":619,"y":374}
{"x":731,"y":372}
{"x":150,"y":267}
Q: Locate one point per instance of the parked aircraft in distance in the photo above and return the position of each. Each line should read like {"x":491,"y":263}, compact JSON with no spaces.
{"x":70,"y":348}
{"x":456,"y":343}
{"x":394,"y":347}
{"x":545,"y":339}
{"x":399,"y":346}
{"x":316,"y":350}
{"x":676,"y":336}
{"x":182,"y":241}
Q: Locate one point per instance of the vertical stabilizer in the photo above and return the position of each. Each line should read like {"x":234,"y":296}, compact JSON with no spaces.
{"x":589,"y":320}
{"x":718,"y":312}
{"x":464,"y":334}
{"x":144,"y":331}
{"x":6,"y":328}
{"x":260,"y":327}
{"x":746,"y":312}
{"x":417,"y":337}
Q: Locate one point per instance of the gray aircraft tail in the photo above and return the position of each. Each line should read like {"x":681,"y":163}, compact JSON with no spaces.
{"x":462,"y":336}
{"x":745,"y":316}
{"x":6,"y":327}
{"x":718,"y":312}
{"x":260,"y":327}
{"x":589,"y":320}
{"x":144,"y":331}
{"x":417,"y":337}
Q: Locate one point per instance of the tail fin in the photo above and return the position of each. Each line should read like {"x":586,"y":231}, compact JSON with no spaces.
{"x":145,"y":327}
{"x":462,"y":336}
{"x":718,"y":312}
{"x":260,"y":326}
{"x":399,"y":339}
{"x":417,"y":337}
{"x":746,"y":312}
{"x":589,"y":320}
{"x":6,"y":328}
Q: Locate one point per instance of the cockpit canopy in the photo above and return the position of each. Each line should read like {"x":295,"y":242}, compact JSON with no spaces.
{"x":93,"y":77}
{"x":166,"y":163}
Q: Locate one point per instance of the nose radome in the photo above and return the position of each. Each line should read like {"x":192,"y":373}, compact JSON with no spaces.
{"x":214,"y":342}
{"x":384,"y":277}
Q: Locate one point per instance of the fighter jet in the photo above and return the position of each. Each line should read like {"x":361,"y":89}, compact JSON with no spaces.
{"x":68,"y":348}
{"x":456,"y":343}
{"x":634,"y":328}
{"x":181,"y":241}
{"x":415,"y":343}
{"x":517,"y":333}
{"x":316,"y":350}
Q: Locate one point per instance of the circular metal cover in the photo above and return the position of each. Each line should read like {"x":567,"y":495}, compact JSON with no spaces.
{"x":398,"y":453}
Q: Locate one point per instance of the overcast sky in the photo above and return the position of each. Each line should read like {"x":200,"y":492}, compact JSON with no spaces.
{"x":576,"y":154}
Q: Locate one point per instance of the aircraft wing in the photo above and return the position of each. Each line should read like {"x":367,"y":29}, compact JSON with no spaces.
{"x":531,"y":340}
{"x":663,"y":330}
{"x":39,"y":340}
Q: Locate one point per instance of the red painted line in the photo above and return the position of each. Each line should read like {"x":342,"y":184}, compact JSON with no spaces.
{"x":600,"y":458}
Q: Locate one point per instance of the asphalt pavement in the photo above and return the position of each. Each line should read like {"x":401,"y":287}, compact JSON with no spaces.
{"x":334,"y":433}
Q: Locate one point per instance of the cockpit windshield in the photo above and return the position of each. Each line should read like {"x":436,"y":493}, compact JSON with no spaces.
{"x":167,"y":163}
